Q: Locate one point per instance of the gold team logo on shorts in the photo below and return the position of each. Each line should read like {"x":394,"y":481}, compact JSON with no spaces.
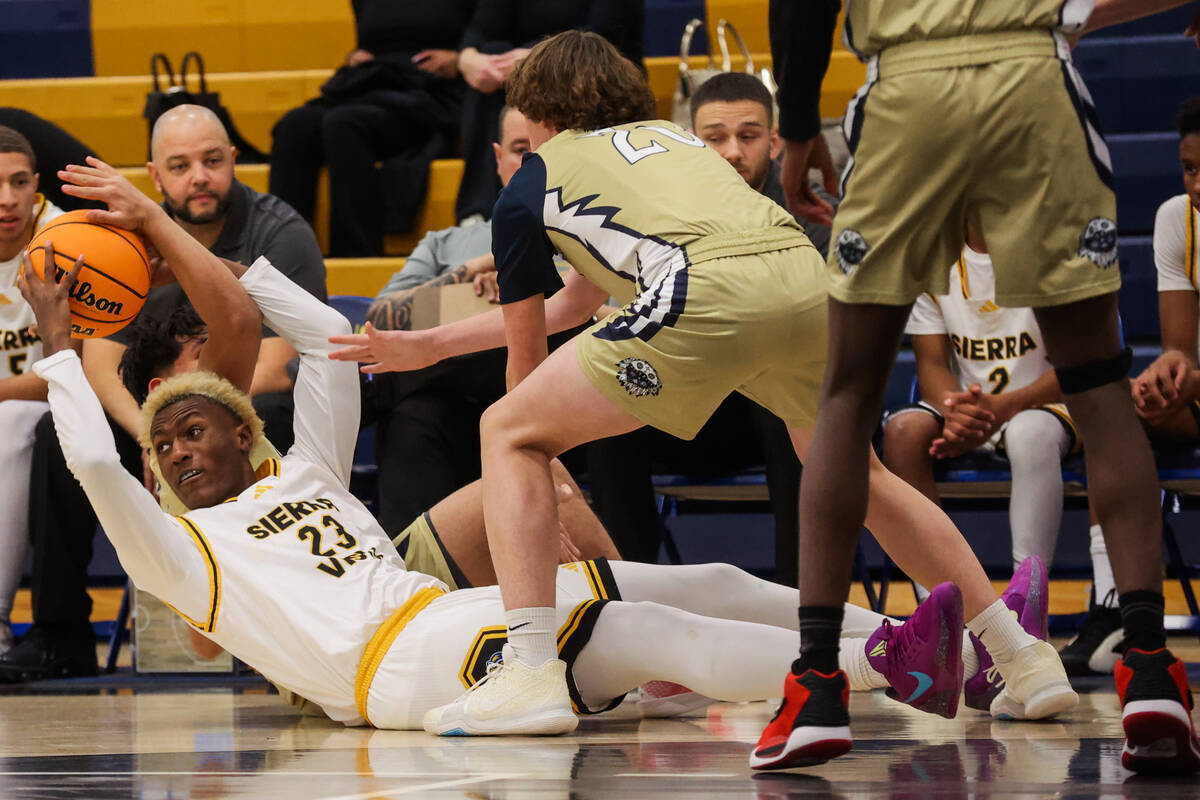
{"x":638,"y":377}
{"x":1098,"y":242}
{"x":851,"y":250}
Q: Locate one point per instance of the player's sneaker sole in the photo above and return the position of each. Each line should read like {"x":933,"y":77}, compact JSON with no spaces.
{"x":1159,"y":738}
{"x":541,"y":722}
{"x":806,"y":746}
{"x":1037,"y":686}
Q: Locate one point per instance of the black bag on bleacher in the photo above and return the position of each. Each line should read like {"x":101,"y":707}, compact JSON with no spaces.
{"x":159,"y":101}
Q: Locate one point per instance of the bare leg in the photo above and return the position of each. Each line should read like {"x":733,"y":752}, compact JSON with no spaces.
{"x":916,"y":534}
{"x":907,"y":437}
{"x":863,"y":340}
{"x":553,"y":409}
{"x":458,"y":520}
{"x":1122,"y":481}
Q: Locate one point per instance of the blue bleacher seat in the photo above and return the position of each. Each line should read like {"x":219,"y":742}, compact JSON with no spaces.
{"x":1138,"y":83}
{"x":45,"y":38}
{"x":1146,"y":170}
{"x":1139,"y":289}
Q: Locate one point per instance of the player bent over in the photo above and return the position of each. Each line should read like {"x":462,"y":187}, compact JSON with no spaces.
{"x":727,"y":294}
{"x":286,"y":569}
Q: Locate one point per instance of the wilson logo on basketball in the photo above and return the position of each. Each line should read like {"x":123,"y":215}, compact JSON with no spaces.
{"x":82,"y":292}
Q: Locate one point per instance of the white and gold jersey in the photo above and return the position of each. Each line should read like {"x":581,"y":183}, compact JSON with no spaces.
{"x":293,"y":576}
{"x":1176,"y":245}
{"x":18,"y":347}
{"x":1001,"y":349}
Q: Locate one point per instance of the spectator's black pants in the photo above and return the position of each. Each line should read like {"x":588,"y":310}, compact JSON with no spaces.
{"x":480,"y":127}
{"x":62,"y":523}
{"x":739,"y":434}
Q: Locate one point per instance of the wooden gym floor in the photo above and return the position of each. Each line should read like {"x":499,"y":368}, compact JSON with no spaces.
{"x":122,"y":736}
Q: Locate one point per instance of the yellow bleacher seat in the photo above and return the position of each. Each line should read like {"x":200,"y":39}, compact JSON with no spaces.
{"x":231,"y":35}
{"x":750,"y":18}
{"x":106,"y":113}
{"x":361,"y":276}
{"x":846,"y":74}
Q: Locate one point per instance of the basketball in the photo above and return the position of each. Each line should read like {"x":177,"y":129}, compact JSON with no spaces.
{"x":115,"y":277}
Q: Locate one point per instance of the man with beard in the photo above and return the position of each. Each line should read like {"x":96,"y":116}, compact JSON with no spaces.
{"x":193,"y":166}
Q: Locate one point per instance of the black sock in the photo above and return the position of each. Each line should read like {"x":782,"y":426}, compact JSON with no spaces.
{"x":820,"y":630}
{"x":1142,"y":618}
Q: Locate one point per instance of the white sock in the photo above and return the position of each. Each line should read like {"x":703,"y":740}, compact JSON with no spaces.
{"x":970,"y":659}
{"x":997,"y":627}
{"x":852,"y":659}
{"x":1103,"y":583}
{"x":531,"y":634}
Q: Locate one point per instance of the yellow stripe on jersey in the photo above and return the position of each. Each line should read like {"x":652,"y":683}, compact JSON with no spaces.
{"x":572,"y":624}
{"x":214,"y":577}
{"x":381,"y":642}
{"x":594,"y":580}
{"x":962,"y":277}
{"x":1191,"y":243}
{"x":39,"y":201}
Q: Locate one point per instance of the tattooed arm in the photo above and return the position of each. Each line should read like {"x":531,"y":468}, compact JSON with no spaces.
{"x":393,"y":311}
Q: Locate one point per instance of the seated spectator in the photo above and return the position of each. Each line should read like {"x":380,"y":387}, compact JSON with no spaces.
{"x":53,"y":149}
{"x":986,"y":384}
{"x":427,"y":422}
{"x":23,"y":210}
{"x":1167,"y":393}
{"x":397,"y":100}
{"x":733,"y":114}
{"x":499,"y":36}
{"x":193,"y":166}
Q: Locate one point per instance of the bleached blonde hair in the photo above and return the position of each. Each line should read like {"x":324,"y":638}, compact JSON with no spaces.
{"x":208,"y":385}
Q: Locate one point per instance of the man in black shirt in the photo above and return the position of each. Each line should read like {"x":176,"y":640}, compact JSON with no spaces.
{"x":193,"y":167}
{"x":499,"y":36}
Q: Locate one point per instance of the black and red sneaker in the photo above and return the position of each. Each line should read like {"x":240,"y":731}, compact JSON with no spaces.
{"x":1156,"y":713}
{"x":811,"y":726}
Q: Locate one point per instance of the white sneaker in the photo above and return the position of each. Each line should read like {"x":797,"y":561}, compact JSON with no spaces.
{"x":511,"y":699}
{"x":6,"y":636}
{"x":1035,"y":685}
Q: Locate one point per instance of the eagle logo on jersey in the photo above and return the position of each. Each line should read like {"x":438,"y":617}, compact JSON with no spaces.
{"x":851,"y":250}
{"x":638,"y":377}
{"x":1098,"y":242}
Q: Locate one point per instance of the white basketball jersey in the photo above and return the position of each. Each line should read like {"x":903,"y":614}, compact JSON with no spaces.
{"x":19,"y":348}
{"x":1176,"y":245}
{"x":293,"y":576}
{"x":1001,"y":349}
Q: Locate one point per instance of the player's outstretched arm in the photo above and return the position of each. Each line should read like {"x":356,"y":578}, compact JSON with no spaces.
{"x":404,"y":351}
{"x":234,"y":322}
{"x":327,"y":399}
{"x":154,"y":549}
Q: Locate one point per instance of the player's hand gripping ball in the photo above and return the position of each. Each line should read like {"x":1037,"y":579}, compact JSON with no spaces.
{"x":115,"y":278}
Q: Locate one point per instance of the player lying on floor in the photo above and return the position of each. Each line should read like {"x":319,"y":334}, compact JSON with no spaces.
{"x":726,"y":293}
{"x":288,"y":571}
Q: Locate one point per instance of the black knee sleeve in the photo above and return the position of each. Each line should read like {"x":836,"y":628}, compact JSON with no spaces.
{"x":1094,"y":374}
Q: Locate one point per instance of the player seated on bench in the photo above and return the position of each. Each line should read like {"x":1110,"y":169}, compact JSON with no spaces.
{"x":986,"y":385}
{"x":1167,"y":393}
{"x":284,"y":567}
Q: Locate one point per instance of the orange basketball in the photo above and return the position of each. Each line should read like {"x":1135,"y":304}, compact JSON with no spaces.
{"x":115,"y":277}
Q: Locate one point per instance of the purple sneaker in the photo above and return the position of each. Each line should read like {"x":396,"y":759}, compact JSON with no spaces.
{"x":1028,"y":597}
{"x":922,"y":659}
